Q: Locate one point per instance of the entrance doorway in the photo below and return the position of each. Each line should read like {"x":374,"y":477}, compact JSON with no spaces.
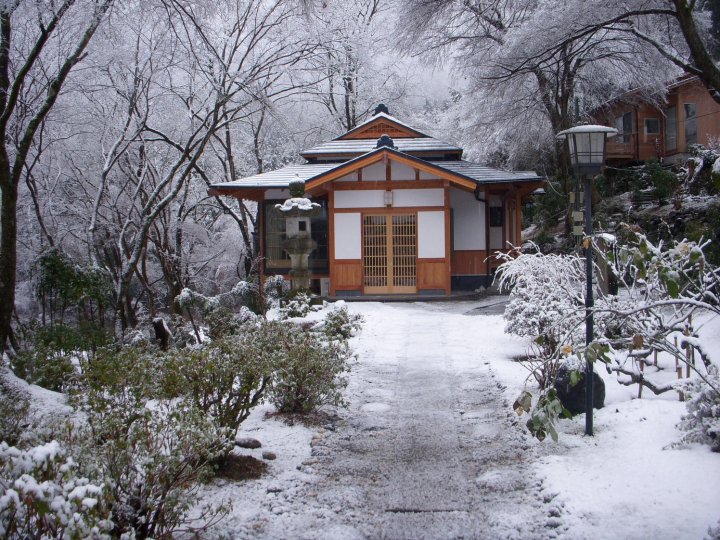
{"x":390,"y":253}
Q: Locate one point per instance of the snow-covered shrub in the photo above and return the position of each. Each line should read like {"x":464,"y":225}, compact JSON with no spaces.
{"x":220,"y":314}
{"x":14,"y":411}
{"x":544,"y":415}
{"x":42,"y":496}
{"x":152,"y":452}
{"x":276,"y":288}
{"x":309,"y":372}
{"x":546,"y":297}
{"x":702,"y":421}
{"x":226,"y":378}
{"x":663,"y":288}
{"x":45,"y":367}
{"x":297,"y":304}
{"x":339,"y":323}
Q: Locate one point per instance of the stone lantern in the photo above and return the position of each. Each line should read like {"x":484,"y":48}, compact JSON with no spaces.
{"x":297,"y":211}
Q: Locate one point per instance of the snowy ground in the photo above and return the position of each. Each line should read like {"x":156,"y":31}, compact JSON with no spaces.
{"x":429,"y":448}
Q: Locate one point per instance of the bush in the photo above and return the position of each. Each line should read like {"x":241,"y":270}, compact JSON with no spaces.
{"x":297,"y":304}
{"x":340,"y":324}
{"x":41,"y":496}
{"x":45,"y":367}
{"x":153,"y":452}
{"x":309,"y":372}
{"x":54,"y":351}
{"x":702,"y":421}
{"x":14,"y":412}
{"x":664,"y":182}
{"x":228,"y":377}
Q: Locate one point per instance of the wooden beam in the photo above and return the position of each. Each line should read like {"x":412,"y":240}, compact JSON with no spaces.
{"x":448,"y":239}
{"x":518,"y":219}
{"x":395,"y":184}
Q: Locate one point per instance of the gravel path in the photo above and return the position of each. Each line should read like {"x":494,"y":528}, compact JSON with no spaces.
{"x":429,"y":447}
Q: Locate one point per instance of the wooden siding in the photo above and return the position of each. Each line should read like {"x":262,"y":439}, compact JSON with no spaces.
{"x":377,"y":129}
{"x":346,"y":275}
{"x":469,"y":263}
{"x":432,"y":274}
{"x":638,"y":145}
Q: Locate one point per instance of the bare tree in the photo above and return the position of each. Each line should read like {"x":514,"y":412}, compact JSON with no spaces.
{"x":33,"y":72}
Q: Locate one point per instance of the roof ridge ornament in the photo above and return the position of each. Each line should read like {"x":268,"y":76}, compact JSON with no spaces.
{"x":381,"y":108}
{"x":385,"y":140}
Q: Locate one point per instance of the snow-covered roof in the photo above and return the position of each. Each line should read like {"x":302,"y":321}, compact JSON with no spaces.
{"x":379,"y":116}
{"x":486,"y":175}
{"x":362,"y":146}
{"x":281,"y":178}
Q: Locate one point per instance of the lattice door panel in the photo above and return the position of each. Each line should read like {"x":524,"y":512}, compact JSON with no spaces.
{"x":375,"y":252}
{"x":389,"y":253}
{"x":404,"y":242}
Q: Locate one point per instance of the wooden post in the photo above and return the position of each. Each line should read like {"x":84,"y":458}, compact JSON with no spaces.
{"x":688,"y":352}
{"x":678,"y":370}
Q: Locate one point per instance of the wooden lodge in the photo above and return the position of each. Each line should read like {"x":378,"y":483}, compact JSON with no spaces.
{"x":646,"y":131}
{"x":401,"y":212}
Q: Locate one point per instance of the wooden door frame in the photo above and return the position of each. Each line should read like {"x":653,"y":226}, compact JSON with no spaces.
{"x":388,"y":213}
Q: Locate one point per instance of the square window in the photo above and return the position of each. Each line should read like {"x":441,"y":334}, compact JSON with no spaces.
{"x":652,"y":126}
{"x":495,"y":216}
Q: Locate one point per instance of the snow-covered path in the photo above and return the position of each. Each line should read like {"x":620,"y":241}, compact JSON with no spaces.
{"x":429,"y":447}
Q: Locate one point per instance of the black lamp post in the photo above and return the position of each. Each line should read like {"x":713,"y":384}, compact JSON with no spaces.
{"x":586,"y":145}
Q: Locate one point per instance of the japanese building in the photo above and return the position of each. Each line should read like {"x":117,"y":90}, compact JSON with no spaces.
{"x":401,"y":212}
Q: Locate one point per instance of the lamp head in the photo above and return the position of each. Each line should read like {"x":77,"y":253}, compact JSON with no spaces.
{"x":587,"y":146}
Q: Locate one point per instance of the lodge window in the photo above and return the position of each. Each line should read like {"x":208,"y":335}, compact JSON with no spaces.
{"x":652,"y":129}
{"x":277,"y":260}
{"x":495,"y":216}
{"x":671,"y":128}
{"x":690,"y":124}
{"x":624,"y":126}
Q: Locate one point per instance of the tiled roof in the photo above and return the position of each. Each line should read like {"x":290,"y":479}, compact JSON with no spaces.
{"x":486,"y":175}
{"x":379,"y":116}
{"x":362,"y":146}
{"x":281,"y":178}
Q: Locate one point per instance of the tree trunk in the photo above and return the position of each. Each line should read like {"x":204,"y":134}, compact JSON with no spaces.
{"x":8,"y":250}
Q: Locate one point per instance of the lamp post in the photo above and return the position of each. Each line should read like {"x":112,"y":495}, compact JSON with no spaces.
{"x":586,"y":145}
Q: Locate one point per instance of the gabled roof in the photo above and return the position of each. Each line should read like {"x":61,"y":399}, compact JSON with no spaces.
{"x":381,"y":124}
{"x":347,"y":147}
{"x":463,"y":173}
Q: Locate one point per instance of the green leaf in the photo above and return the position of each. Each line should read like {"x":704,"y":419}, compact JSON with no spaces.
{"x":673,"y":288}
{"x":523,"y":403}
{"x":575,"y":377}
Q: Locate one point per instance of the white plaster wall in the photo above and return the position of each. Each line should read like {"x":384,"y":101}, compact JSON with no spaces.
{"x":468,"y":220}
{"x":352,"y":177}
{"x":348,"y":236}
{"x":374,"y":172}
{"x":271,"y":194}
{"x":400,"y":171}
{"x":360,"y":198}
{"x":427,"y":176}
{"x":418,"y":197}
{"x":431,"y":235}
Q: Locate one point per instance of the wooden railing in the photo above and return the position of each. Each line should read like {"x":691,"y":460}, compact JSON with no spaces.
{"x":622,"y":146}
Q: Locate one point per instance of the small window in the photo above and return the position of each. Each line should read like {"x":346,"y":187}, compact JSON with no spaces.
{"x":652,"y":126}
{"x":651,"y":133}
{"x":690,"y":124}
{"x":495,"y":216}
{"x":624,"y":125}
{"x":671,"y":129}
